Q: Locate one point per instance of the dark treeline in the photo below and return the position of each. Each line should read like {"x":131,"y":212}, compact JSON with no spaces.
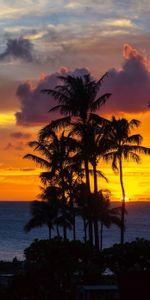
{"x":69,"y":149}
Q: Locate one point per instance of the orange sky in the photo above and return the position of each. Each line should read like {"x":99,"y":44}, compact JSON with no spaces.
{"x":19,"y":178}
{"x":98,"y":36}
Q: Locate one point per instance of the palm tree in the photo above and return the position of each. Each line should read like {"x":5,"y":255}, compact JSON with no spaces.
{"x":107,"y":215}
{"x":42,"y":214}
{"x":96,"y":207}
{"x":121,"y":146}
{"x":55,"y":157}
{"x":89,"y":146}
{"x":77,"y":97}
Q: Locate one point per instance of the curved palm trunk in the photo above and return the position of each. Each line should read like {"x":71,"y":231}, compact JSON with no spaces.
{"x":123,"y":203}
{"x":88,"y":185}
{"x":96,"y":222}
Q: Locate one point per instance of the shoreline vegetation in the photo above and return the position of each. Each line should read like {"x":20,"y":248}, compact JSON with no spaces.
{"x":68,"y":151}
{"x":56,"y":269}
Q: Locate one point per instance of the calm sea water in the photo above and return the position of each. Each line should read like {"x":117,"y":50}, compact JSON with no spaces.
{"x":14,"y":215}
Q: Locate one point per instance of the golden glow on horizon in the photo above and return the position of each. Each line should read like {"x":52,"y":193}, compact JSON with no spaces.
{"x":7,"y":118}
{"x":19,"y":172}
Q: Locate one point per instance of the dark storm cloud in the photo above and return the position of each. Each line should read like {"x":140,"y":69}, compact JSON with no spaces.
{"x":34,"y":104}
{"x":18,"y":48}
{"x":130,"y":86}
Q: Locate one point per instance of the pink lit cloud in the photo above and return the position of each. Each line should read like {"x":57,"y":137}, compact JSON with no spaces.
{"x":34,"y":104}
{"x":129,"y":85}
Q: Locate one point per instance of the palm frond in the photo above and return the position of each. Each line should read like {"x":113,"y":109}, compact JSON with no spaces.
{"x":131,"y":156}
{"x":100,"y":81}
{"x":136,"y":138}
{"x":111,"y":156}
{"x":38,"y":160}
{"x":101,"y":174}
{"x":134,"y":123}
{"x":100,"y":101}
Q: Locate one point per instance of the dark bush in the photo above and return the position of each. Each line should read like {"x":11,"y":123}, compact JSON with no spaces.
{"x":133,"y":256}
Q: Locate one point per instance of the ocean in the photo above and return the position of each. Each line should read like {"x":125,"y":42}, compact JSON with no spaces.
{"x":14,"y":215}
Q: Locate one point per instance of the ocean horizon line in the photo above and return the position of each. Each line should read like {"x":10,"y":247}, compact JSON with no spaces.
{"x":127,"y":202}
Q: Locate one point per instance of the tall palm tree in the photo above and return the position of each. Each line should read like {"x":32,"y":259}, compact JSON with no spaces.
{"x":77,"y":97}
{"x":122,"y":146}
{"x":89,"y":134}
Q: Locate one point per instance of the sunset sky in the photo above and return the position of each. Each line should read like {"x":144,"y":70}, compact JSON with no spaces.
{"x":41,"y":39}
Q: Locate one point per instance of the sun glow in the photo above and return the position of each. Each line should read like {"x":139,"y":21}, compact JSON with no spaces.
{"x":7,"y":118}
{"x":126,"y":199}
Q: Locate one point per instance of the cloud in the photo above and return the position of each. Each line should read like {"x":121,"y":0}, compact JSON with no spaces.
{"x":20,"y":135}
{"x":8,"y":146}
{"x":19,"y":146}
{"x":27,"y":169}
{"x":130,"y":86}
{"x":20,"y":48}
{"x":34,"y":104}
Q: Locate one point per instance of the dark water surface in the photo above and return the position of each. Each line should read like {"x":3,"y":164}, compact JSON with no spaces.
{"x":13,"y":216}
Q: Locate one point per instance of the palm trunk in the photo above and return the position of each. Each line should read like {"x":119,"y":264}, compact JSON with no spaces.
{"x":64,"y":202}
{"x":96,"y":222}
{"x":88,"y":185}
{"x":74,"y":225}
{"x":73,"y":212}
{"x":65,"y":232}
{"x":57,"y":229}
{"x":49,"y":232}
{"x":101,"y":236}
{"x":84,"y":224}
{"x":123,"y":203}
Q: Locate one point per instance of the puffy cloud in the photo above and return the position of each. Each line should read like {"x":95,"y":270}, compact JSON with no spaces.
{"x":34,"y":104}
{"x":18,"y":48}
{"x":130,"y":86}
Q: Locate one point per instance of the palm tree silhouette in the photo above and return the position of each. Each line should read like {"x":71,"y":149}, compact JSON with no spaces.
{"x":77,"y":98}
{"x":42,"y":214}
{"x":55,"y":157}
{"x":122,"y":146}
{"x":89,"y":134}
{"x":107,"y":215}
{"x":96,"y":207}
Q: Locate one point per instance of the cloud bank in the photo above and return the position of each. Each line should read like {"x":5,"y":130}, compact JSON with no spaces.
{"x":130,"y":88}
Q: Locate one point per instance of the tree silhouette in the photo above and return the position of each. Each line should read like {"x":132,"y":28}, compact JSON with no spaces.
{"x":55,"y":157}
{"x":78,"y":98}
{"x":122,"y":146}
